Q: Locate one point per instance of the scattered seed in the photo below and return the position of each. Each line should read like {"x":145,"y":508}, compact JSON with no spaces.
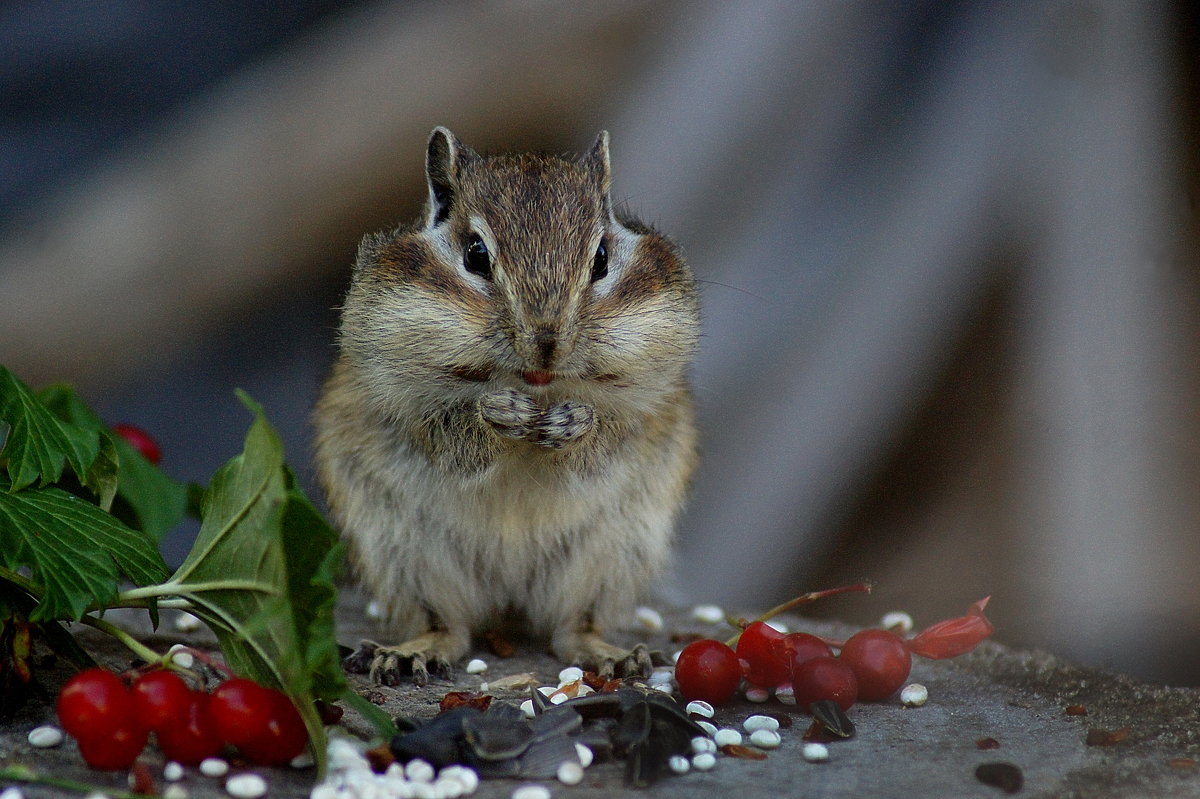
{"x":700,"y":745}
{"x":897,"y":621}
{"x":679,"y":764}
{"x":700,"y":708}
{"x":675,"y":655}
{"x":418,"y":770}
{"x":45,"y":737}
{"x":832,"y":718}
{"x":477,"y":666}
{"x":786,"y":694}
{"x":586,"y":755}
{"x":757,"y":695}
{"x":1098,"y":736}
{"x":527,"y":709}
{"x":465,"y":775}
{"x":172,"y":771}
{"x":1076,"y":710}
{"x":707,"y":726}
{"x":531,"y":791}
{"x":743,"y":752}
{"x":815,"y":752}
{"x":778,"y":626}
{"x":709,"y":614}
{"x":175,"y":791}
{"x":570,"y":674}
{"x":760,"y":722}
{"x":765,"y":739}
{"x":303,"y":760}
{"x":987,"y":743}
{"x":186,"y":622}
{"x":246,"y":786}
{"x":704,"y":761}
{"x":727,"y":737}
{"x":1005,"y":776}
{"x":570,"y":773}
{"x":180,"y":657}
{"x":649,"y":618}
{"x":12,"y":792}
{"x":914,"y":695}
{"x":214,"y":767}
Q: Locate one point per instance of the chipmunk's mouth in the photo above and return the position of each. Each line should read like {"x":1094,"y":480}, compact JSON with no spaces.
{"x":537,"y":377}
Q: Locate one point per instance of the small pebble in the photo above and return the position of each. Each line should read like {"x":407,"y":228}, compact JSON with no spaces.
{"x":758,"y":722}
{"x":570,"y":674}
{"x":173,"y":771}
{"x":175,"y":791}
{"x":679,"y":764}
{"x":815,"y":752}
{"x":214,"y":767}
{"x":700,"y":745}
{"x":418,"y":770}
{"x":709,"y":614}
{"x":786,"y":694}
{"x":186,"y":622}
{"x":569,"y":773}
{"x":727,"y":737}
{"x":586,"y":755}
{"x":757,"y":695}
{"x":914,"y":695}
{"x":700,"y":708}
{"x":531,"y":791}
{"x":704,"y":761}
{"x":246,"y":786}
{"x":45,"y":737}
{"x":649,"y":618}
{"x":765,"y":739}
{"x":897,"y":620}
{"x":708,"y":727}
{"x":476,"y":666}
{"x":527,"y":708}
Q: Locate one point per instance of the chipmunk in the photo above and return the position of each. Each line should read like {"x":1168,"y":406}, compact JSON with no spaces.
{"x":507,"y":431}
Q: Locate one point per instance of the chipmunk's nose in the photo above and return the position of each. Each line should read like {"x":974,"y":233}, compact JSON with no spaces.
{"x":545,"y":343}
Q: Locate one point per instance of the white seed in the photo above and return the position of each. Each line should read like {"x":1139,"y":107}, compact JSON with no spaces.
{"x":326,"y":790}
{"x":303,"y":760}
{"x":419,"y":770}
{"x":586,"y":755}
{"x":464,"y":774}
{"x":765,"y":739}
{"x":708,"y":727}
{"x":186,"y":622}
{"x":570,"y":674}
{"x":758,"y":722}
{"x":679,"y":764}
{"x":649,"y":618}
{"x":344,"y":756}
{"x":897,"y":620}
{"x":175,"y":791}
{"x":757,"y":695}
{"x":246,"y":786}
{"x":181,"y":658}
{"x":420,"y":790}
{"x":675,"y":656}
{"x":527,"y":708}
{"x":546,"y":690}
{"x":663,"y":687}
{"x":914,"y":695}
{"x":778,"y":626}
{"x":214,"y":767}
{"x":815,"y":752}
{"x":12,"y":792}
{"x":531,"y":791}
{"x":704,"y":761}
{"x":700,"y":745}
{"x":785,"y":693}
{"x":700,"y":708}
{"x":664,"y":675}
{"x":374,"y":610}
{"x":559,"y":698}
{"x":570,"y":773}
{"x":709,"y":614}
{"x":173,"y":771}
{"x":45,"y":737}
{"x":727,"y":737}
{"x":448,"y":788}
{"x":477,"y":666}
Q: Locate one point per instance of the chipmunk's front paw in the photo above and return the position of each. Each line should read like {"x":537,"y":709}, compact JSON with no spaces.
{"x":435,"y":651}
{"x":510,"y":413}
{"x":563,"y":423}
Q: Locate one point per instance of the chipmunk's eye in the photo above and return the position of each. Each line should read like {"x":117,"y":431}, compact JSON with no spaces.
{"x":600,"y":262}
{"x":476,"y":258}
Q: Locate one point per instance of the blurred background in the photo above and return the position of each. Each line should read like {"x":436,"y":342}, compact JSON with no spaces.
{"x":949,"y":255}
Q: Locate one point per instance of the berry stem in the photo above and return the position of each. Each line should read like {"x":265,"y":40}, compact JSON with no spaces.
{"x":142,"y":651}
{"x":803,"y":599}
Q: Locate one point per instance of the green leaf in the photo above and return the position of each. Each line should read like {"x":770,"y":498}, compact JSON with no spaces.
{"x":156,"y":502}
{"x":75,"y":552}
{"x":257,"y":527}
{"x":38,"y":443}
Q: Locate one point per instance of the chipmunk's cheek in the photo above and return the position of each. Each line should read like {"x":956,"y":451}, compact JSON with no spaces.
{"x":471,"y":375}
{"x":537,"y":377}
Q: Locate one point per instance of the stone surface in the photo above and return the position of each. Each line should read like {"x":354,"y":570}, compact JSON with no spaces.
{"x":1017,"y":699}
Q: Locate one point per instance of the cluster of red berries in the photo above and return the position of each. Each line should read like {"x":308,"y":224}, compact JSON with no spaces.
{"x":113,"y":720}
{"x":871,"y":666}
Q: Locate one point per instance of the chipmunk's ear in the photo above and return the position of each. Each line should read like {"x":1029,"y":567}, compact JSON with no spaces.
{"x":596,"y":161}
{"x":444,"y":160}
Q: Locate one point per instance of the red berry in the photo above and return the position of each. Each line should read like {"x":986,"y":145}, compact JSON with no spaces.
{"x":114,"y":749}
{"x":285,"y":735}
{"x":160,"y":698}
{"x":239,"y":711}
{"x":93,"y":703}
{"x":140,"y":440}
{"x":708,"y":670}
{"x":190,"y":738}
{"x":763,"y":649}
{"x":802,"y":647}
{"x":825,"y":677}
{"x":880,"y":661}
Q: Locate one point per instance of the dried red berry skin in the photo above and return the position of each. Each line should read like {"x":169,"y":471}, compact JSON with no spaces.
{"x":708,"y":670}
{"x":880,"y":661}
{"x":953,"y":637}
